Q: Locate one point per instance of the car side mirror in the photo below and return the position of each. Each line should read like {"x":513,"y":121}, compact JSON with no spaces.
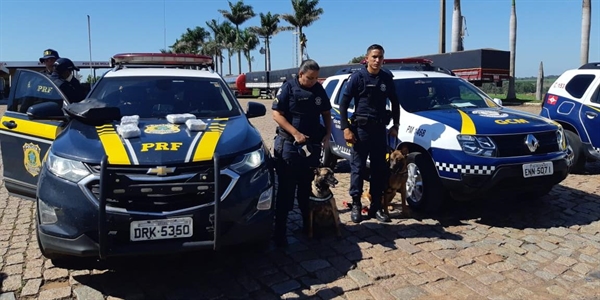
{"x":497,"y":101}
{"x":46,"y":111}
{"x":255,"y":109}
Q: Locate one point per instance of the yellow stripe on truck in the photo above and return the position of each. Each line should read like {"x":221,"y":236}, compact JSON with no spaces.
{"x":42,"y":130}
{"x":209,"y":140}
{"x":467,"y":127}
{"x":113,"y":147}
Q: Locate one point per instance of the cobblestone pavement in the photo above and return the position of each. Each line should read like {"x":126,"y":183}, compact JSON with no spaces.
{"x":544,"y":249}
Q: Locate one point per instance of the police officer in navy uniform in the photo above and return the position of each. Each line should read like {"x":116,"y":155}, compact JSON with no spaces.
{"x":64,"y":78}
{"x":50,"y":56}
{"x":370,"y":87}
{"x":297,"y":109}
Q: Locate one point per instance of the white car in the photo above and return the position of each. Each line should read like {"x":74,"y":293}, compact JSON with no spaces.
{"x":461,"y":141}
{"x":573,"y":100}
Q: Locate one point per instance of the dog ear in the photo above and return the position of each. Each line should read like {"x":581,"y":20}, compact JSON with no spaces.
{"x":404,"y":150}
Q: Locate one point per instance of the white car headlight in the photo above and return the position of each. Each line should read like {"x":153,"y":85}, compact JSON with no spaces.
{"x":248,"y":161}
{"x":477,"y":145}
{"x":68,"y":169}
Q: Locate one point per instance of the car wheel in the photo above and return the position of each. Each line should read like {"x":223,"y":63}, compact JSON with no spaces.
{"x":579,"y":159}
{"x":328,"y":159}
{"x":424,"y":190}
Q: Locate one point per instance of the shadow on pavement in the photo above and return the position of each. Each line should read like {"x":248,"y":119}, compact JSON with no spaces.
{"x":562,"y":207}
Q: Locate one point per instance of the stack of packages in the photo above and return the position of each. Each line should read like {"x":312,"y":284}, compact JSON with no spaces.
{"x":129,"y":127}
{"x":190,"y":121}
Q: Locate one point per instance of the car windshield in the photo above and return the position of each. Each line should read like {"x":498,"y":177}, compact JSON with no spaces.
{"x":156,"y":97}
{"x":418,"y":94}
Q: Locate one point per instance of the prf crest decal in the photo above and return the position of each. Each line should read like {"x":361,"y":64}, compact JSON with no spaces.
{"x":31,"y":158}
{"x":162,"y":129}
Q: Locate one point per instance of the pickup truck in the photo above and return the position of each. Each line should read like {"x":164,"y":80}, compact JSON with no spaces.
{"x":462,"y":143}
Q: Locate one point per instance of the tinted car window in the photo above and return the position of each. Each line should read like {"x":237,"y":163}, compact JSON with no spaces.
{"x":579,"y":84}
{"x":331,"y":87}
{"x":156,"y":97}
{"x":33,"y":88}
{"x":419,"y":94}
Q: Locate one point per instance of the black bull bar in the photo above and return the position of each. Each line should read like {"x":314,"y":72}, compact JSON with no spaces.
{"x":108,"y":183}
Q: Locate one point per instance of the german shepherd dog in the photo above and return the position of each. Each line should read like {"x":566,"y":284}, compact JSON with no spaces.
{"x":397,"y":162}
{"x":322,"y":207}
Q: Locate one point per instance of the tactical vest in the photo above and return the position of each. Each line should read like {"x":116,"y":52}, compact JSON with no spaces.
{"x":372,"y":96}
{"x":304,"y":112}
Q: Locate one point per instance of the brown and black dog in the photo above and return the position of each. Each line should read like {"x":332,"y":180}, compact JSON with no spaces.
{"x":397,"y":162}
{"x":322,"y":207}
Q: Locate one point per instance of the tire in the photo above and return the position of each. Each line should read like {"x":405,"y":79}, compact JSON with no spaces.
{"x":579,"y":158}
{"x":328,"y":159}
{"x":424,"y":190}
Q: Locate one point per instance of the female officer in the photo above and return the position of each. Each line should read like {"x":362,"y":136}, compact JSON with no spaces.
{"x":297,"y":109}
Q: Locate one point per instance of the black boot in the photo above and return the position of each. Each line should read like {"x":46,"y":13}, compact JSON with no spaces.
{"x":280,"y":230}
{"x":356,"y":215}
{"x":380,"y":215}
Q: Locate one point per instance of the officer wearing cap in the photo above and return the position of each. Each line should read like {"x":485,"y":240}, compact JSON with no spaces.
{"x":297,"y":109}
{"x":50,"y":56}
{"x":370,"y":87}
{"x":64,"y":78}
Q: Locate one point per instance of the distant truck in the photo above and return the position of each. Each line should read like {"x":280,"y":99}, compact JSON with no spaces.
{"x":477,"y":66}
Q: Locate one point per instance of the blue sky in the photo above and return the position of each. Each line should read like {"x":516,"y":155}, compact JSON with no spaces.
{"x":548,"y":30}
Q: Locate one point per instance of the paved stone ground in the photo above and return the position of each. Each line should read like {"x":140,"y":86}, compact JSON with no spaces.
{"x":545,"y":249}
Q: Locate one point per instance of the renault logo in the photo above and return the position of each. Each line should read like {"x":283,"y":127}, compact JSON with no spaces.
{"x":531,"y":142}
{"x":161,"y":170}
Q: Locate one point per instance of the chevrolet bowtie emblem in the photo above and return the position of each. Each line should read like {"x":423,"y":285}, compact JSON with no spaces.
{"x":161,"y":170}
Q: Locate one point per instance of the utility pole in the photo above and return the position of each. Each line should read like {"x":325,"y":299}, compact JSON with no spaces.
{"x":442,"y":26}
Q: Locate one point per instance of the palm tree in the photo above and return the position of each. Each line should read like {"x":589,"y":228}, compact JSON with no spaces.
{"x":238,"y":14}
{"x":227,"y":40}
{"x":247,"y":42}
{"x":456,"y":27}
{"x":585,"y":31}
{"x":192,"y":40}
{"x":442,"y":26}
{"x":218,"y":47}
{"x":305,"y":13}
{"x":269,"y":26}
{"x":511,"y":95}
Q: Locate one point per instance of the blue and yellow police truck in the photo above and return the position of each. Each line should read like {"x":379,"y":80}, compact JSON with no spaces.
{"x":159,"y":158}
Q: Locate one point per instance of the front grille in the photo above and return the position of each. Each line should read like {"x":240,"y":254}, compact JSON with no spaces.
{"x":514,"y":144}
{"x":132,"y":189}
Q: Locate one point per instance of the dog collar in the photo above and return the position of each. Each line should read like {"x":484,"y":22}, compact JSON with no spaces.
{"x":319,"y":199}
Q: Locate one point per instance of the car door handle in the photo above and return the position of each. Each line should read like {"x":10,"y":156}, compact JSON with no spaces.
{"x":591,"y":114}
{"x":10,"y":124}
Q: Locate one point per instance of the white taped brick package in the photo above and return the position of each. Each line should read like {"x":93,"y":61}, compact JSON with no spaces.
{"x":128,"y":130}
{"x":180,"y":118}
{"x":130,"y":120}
{"x":195,"y":125}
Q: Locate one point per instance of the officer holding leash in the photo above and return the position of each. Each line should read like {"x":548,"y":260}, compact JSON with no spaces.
{"x":370,"y":87}
{"x":297,"y":109}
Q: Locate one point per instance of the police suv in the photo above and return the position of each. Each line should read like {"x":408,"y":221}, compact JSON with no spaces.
{"x":573,"y":100}
{"x":159,"y":158}
{"x":461,"y":141}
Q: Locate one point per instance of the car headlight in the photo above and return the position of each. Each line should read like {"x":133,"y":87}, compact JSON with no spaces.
{"x":68,"y":169}
{"x":248,"y":161}
{"x":561,"y":139}
{"x":477,"y":145}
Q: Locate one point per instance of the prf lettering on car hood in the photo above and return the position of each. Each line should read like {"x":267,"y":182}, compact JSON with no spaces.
{"x":162,"y":146}
{"x":511,"y":121}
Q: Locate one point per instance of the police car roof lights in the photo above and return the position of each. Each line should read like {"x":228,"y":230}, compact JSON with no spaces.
{"x":161,"y":59}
